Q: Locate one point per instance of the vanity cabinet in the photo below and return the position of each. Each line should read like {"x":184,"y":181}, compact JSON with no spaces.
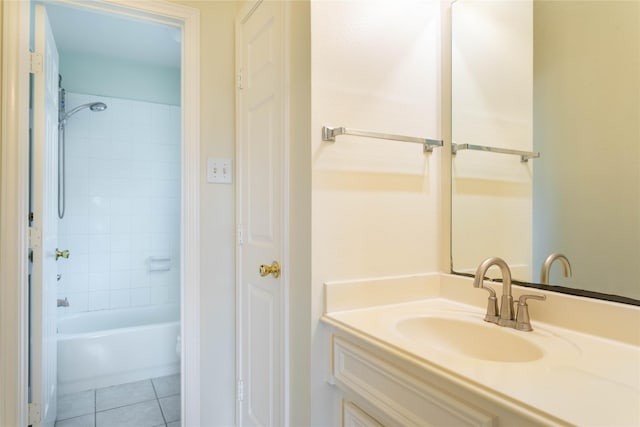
{"x":395,"y":391}
{"x":352,"y":416}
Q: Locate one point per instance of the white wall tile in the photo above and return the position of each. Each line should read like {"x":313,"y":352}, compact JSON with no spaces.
{"x":139,"y":278}
{"x":174,"y":131}
{"x":123,"y":204}
{"x":99,"y":168}
{"x":140,"y":297}
{"x":120,"y":261}
{"x":77,"y":244}
{"x":159,"y":279}
{"x":75,"y":282}
{"x":76,"y":205}
{"x":99,"y":224}
{"x":99,"y":205}
{"x":139,"y":260}
{"x":164,"y":188}
{"x":100,"y":147}
{"x":78,"y":302}
{"x":120,"y":279}
{"x":141,"y":242}
{"x":120,"y":150}
{"x":99,"y":281}
{"x":140,"y":168}
{"x":120,"y":205}
{"x":76,"y":129}
{"x":76,"y":150}
{"x":160,"y":223}
{"x":99,"y":244}
{"x":174,"y":292}
{"x":141,"y":205}
{"x":120,"y":113}
{"x":100,"y":187}
{"x":121,"y":168}
{"x":159,"y":295}
{"x":140,"y":224}
{"x":120,"y":242}
{"x":99,"y":122}
{"x":98,"y":300}
{"x":120,"y":224}
{"x":139,"y":134}
{"x":74,"y":224}
{"x":76,"y":263}
{"x":161,"y":242}
{"x":120,"y":298}
{"x":99,"y":263}
{"x":76,"y":168}
{"x":77,"y":187}
{"x":140,"y":113}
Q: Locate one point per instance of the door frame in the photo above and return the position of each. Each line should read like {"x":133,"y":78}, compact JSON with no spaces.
{"x":14,"y":196}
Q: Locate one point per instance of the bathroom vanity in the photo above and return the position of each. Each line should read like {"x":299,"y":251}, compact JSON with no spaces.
{"x":415,"y":351}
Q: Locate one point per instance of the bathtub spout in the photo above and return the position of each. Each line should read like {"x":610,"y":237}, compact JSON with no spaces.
{"x":63,"y":302}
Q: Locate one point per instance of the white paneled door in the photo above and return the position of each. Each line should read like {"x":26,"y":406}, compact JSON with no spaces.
{"x":44,"y":227}
{"x":260,"y":215}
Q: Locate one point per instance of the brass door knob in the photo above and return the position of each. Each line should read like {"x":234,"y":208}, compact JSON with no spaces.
{"x":273,"y":269}
{"x":62,"y":254}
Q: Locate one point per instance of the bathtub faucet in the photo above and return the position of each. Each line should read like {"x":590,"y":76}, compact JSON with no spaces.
{"x":63,"y":302}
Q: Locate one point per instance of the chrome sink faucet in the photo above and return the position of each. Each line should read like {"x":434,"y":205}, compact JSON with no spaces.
{"x":505,"y":316}
{"x":546,"y":266}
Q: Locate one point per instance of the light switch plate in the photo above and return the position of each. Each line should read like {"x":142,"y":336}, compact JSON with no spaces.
{"x":219,"y":171}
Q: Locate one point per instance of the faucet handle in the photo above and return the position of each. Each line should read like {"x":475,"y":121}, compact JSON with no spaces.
{"x":523,"y":321}
{"x":492,"y":306}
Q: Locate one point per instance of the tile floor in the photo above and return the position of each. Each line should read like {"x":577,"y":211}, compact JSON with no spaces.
{"x":148,"y":403}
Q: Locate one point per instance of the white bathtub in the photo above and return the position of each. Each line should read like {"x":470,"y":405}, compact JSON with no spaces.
{"x":103,"y":348}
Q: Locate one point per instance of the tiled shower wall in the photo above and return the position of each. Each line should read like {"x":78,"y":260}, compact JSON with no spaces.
{"x":122,"y":221}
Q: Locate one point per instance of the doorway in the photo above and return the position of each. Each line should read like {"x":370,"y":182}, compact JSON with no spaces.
{"x":186,"y":21}
{"x":108,"y":346}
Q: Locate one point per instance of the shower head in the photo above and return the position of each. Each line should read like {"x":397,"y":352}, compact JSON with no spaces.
{"x":98,"y":106}
{"x":93,"y":106}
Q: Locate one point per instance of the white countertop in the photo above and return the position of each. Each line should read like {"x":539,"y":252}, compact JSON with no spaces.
{"x":582,"y":379}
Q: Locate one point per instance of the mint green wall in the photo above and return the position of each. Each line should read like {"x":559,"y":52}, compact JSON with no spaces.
{"x":99,"y":75}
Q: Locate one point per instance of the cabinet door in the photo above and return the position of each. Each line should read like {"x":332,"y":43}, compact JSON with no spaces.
{"x":352,"y":416}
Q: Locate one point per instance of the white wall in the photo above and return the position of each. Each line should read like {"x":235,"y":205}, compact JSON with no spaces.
{"x":122,"y":206}
{"x":100,"y":75}
{"x":492,"y":91}
{"x":217,"y":204}
{"x":374,"y":66}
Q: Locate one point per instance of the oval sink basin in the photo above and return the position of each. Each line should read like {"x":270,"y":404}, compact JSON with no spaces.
{"x":478,"y":340}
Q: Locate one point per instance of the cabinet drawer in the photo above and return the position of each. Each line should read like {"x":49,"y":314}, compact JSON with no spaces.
{"x":352,"y":416}
{"x":403,"y":398}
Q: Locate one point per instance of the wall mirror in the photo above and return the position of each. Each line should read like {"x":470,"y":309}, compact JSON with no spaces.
{"x":560,"y":79}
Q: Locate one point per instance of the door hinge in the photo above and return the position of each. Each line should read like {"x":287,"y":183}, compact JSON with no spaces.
{"x":240,"y":391}
{"x":240,"y":82}
{"x":240,"y":235}
{"x":34,"y":414}
{"x":35,"y":237}
{"x":35,"y":66}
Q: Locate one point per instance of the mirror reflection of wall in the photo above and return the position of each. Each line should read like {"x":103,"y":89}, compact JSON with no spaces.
{"x":587,"y":123}
{"x":580,"y":104}
{"x":492,"y":54}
